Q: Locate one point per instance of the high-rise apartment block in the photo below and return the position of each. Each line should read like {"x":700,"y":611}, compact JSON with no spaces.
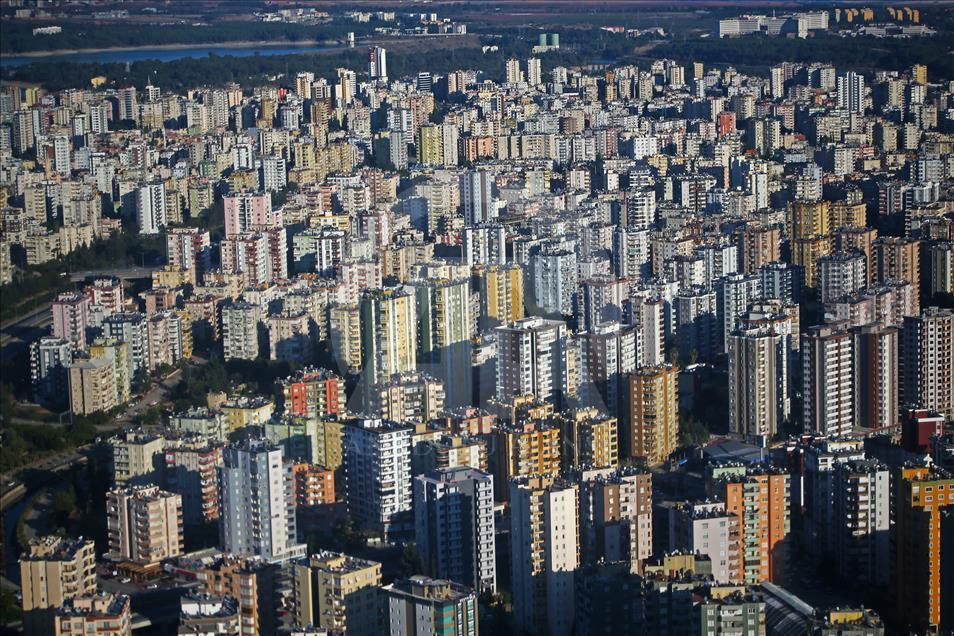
{"x":616,"y":513}
{"x":922,"y":495}
{"x":313,"y":393}
{"x":54,"y":570}
{"x":378,"y":64}
{"x":876,"y":375}
{"x":258,"y":504}
{"x":758,"y":383}
{"x":501,"y":294}
{"x":144,"y":525}
{"x":829,"y":404}
{"x":248,"y":212}
{"x":652,"y":425}
{"x":377,"y":461}
{"x":71,"y":318}
{"x":531,"y":448}
{"x":388,"y":334}
{"x":861,"y":521}
{"x":545,"y":552}
{"x":927,"y":361}
{"x":337,"y":592}
{"x":50,"y":358}
{"x":421,"y":605}
{"x":706,"y":528}
{"x":898,"y":259}
{"x":454,"y":525}
{"x":760,"y":499}
{"x":532,"y":359}
{"x":191,"y":470}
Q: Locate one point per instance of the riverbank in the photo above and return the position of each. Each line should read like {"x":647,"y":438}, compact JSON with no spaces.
{"x":174,"y":52}
{"x":240,"y":44}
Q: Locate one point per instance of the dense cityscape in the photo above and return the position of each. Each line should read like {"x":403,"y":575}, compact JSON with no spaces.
{"x":574,"y":339}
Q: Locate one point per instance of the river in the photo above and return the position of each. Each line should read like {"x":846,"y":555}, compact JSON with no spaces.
{"x":165,"y":54}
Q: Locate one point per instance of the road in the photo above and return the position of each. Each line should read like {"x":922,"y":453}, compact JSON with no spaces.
{"x":21,"y":331}
{"x":130,"y":273}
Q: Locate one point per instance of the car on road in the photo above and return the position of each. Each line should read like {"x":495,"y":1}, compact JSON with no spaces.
{"x":125,"y":579}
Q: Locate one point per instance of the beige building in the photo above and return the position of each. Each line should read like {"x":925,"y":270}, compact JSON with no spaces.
{"x":244,"y":411}
{"x":388,"y":333}
{"x":95,"y":614}
{"x":545,"y":552}
{"x":144,"y":525}
{"x":501,"y":294}
{"x":289,"y":336}
{"x":93,"y":386}
{"x":338,"y":593}
{"x":52,"y":571}
{"x":251,"y":582}
{"x":897,"y":258}
{"x":169,"y":338}
{"x":137,"y":457}
{"x":345,"y":326}
{"x":589,"y":439}
{"x":118,"y":352}
{"x":653,"y":426}
{"x":407,"y":398}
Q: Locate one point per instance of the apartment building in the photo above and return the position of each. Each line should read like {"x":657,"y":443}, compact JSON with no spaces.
{"x":616,"y":516}
{"x":421,"y":605}
{"x":71,"y":318}
{"x":927,"y":361}
{"x":651,"y":431}
{"x":258,"y":504}
{"x":829,"y":404}
{"x":92,"y":383}
{"x":338,"y":593}
{"x":706,"y":528}
{"x":102,"y":614}
{"x":545,"y":553}
{"x":191,"y":470}
{"x":240,"y":326}
{"x":144,"y":525}
{"x":760,"y":499}
{"x":377,"y":468}
{"x":758,"y":383}
{"x":54,"y":570}
{"x":313,"y":393}
{"x":922,"y":494}
{"x":137,"y":458}
{"x":454,"y":525}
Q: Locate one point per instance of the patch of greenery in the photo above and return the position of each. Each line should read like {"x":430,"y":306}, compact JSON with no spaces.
{"x":25,"y":443}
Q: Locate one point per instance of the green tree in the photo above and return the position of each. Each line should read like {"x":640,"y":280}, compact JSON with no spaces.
{"x":692,"y":432}
{"x":411,"y":562}
{"x":63,"y":506}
